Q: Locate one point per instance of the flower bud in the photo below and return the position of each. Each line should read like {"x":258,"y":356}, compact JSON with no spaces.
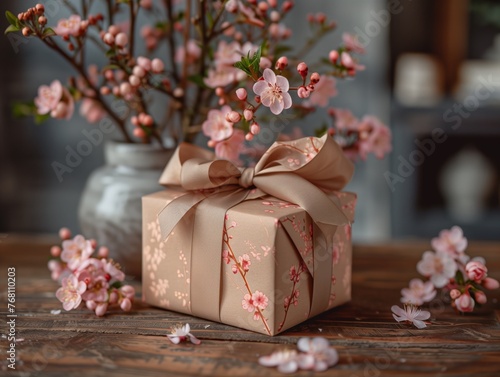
{"x":282,"y":63}
{"x":480,"y":297}
{"x":255,"y":128}
{"x":103,"y":252}
{"x":91,"y":304}
{"x":42,"y":20}
{"x":315,"y":78}
{"x":263,"y":7}
{"x":219,"y":91}
{"x":121,"y":40}
{"x":134,"y":80}
{"x":116,"y":91}
{"x":211,"y":143}
{"x":40,"y":9}
{"x":273,"y":3}
{"x":55,"y":251}
{"x":275,"y":16}
{"x":113,"y":297}
{"x":333,"y":56}
{"x":257,"y":99}
{"x":346,"y":60}
{"x":454,"y":294}
{"x":302,"y":92}
{"x":148,"y":120}
{"x":109,"y":39}
{"x":126,"y":305}
{"x":113,"y":30}
{"x":104,"y":90}
{"x":287,"y":6}
{"x":302,"y":69}
{"x":242,"y":94}
{"x":178,"y":92}
{"x":464,"y":303}
{"x":64,"y":233}
{"x":157,"y":65}
{"x":26,"y":31}
{"x":476,"y":271}
{"x":248,"y":114}
{"x":139,"y":71}
{"x":139,"y":133}
{"x":233,"y":117}
{"x":320,"y":17}
{"x":128,"y":291}
{"x":249,"y":136}
{"x":101,"y":309}
{"x":144,"y":63}
{"x":125,"y":88}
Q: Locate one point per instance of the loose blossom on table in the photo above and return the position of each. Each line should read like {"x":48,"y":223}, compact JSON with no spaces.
{"x":314,"y":354}
{"x":97,"y":281}
{"x":447,"y":267}
{"x":182,"y":333}
{"x":411,"y":314}
{"x":223,"y":68}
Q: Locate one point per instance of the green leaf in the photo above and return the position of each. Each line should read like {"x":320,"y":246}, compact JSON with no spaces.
{"x":319,"y":132}
{"x":117,"y":284}
{"x":198,"y":80}
{"x":11,"y":29}
{"x":13,"y":20}
{"x":41,"y":118}
{"x":111,"y":53}
{"x":459,"y":277}
{"x":48,"y":32}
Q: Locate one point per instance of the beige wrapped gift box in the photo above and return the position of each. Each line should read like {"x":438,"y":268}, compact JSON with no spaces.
{"x":235,"y":255}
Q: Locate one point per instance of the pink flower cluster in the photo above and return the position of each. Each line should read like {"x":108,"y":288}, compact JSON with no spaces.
{"x":449,"y":268}
{"x":314,"y":354}
{"x":359,"y":138}
{"x":55,"y":100}
{"x":98,"y":281}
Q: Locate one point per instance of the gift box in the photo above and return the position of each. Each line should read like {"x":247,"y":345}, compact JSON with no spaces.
{"x":261,"y":248}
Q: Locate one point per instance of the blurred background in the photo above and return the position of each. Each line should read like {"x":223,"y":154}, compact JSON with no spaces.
{"x":433,"y":75}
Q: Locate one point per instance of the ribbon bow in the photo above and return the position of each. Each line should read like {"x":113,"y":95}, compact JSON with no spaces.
{"x":300,"y":172}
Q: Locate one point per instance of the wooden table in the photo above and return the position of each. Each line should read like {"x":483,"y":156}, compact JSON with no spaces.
{"x":370,"y":343}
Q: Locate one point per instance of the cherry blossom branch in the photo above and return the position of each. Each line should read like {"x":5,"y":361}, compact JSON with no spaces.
{"x":242,"y":274}
{"x":171,"y":40}
{"x":288,"y":302}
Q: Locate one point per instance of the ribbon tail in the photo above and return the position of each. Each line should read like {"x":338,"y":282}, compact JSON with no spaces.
{"x":174,"y":211}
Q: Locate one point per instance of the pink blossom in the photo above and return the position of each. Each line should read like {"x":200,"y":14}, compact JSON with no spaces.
{"x":452,"y":242}
{"x":70,"y":26}
{"x":190,"y":54}
{"x":182,"y":333}
{"x":379,"y":139}
{"x":76,"y":251}
{"x":230,"y":149}
{"x":286,"y":361}
{"x":48,"y":97}
{"x":247,"y":303}
{"x":92,"y":110}
{"x":411,"y":314}
{"x":418,"y":292}
{"x":113,"y":269}
{"x":344,"y":119}
{"x":128,"y":291}
{"x":260,"y":300}
{"x":439,"y":267}
{"x":476,"y":271}
{"x":323,"y":91}
{"x":92,"y":274}
{"x":245,"y":262}
{"x":56,"y":268}
{"x":225,"y":256}
{"x":220,"y":77}
{"x":352,"y":43}
{"x":464,"y":303}
{"x":273,"y":91}
{"x":126,"y":304}
{"x":319,"y":356}
{"x":70,"y":292}
{"x":217,"y":127}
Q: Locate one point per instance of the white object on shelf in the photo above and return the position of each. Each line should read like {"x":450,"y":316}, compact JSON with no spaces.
{"x":466,"y":181}
{"x":417,"y":80}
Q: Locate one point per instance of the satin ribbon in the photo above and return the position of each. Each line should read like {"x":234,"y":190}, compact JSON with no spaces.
{"x":300,"y":172}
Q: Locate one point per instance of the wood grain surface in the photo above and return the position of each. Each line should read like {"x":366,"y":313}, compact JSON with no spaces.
{"x":370,"y":343}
